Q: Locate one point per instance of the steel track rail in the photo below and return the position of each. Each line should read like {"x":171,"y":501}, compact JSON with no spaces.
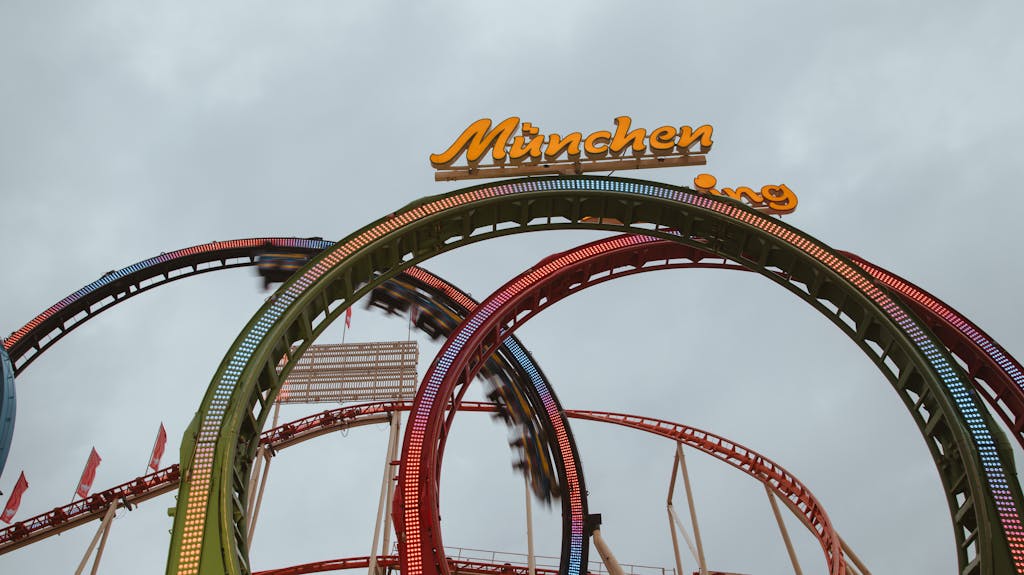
{"x":391,"y":561}
{"x":797,"y":496}
{"x":47,"y":328}
{"x":65,"y":517}
{"x":972,"y":457}
{"x":512,"y":362}
{"x":511,"y":306}
{"x":79,"y":512}
{"x":82,"y":511}
{"x":997,"y":375}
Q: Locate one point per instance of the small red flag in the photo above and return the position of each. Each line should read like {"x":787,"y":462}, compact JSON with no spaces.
{"x":14,"y":501}
{"x":348,"y":318}
{"x":414,"y":314}
{"x":158,"y":449}
{"x":88,"y":474}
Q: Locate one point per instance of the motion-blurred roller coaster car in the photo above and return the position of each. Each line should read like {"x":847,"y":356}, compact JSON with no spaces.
{"x":398,"y":298}
{"x":516,"y":404}
{"x":393,"y":296}
{"x":536,"y":465}
{"x":278,"y":266}
{"x":534,"y":448}
{"x":434,"y":320}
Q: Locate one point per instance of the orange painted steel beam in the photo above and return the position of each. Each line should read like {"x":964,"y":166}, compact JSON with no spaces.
{"x":136,"y":491}
{"x":391,"y":561}
{"x":82,"y":511}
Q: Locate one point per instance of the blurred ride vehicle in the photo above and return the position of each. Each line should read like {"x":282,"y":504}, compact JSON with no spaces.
{"x":277,"y":266}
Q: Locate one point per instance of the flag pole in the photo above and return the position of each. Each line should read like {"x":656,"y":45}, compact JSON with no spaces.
{"x":145,"y":472}
{"x":88,"y":463}
{"x":14,"y":499}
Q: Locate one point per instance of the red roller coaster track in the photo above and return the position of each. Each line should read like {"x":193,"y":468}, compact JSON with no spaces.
{"x":786,"y":486}
{"x":416,"y":512}
{"x":391,"y":561}
{"x":997,"y":375}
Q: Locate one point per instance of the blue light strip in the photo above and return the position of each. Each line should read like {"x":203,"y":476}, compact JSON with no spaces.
{"x":8,"y":407}
{"x":995,"y":474}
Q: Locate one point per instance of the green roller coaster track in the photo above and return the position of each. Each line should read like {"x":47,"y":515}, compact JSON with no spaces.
{"x":973,"y":458}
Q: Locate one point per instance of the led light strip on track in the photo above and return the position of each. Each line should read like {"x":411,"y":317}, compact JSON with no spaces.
{"x":565,"y":201}
{"x":203,"y":527}
{"x":7,"y":406}
{"x":60,"y":319}
{"x":575,"y":548}
{"x":503,"y":312}
{"x":125,"y":282}
{"x":115,"y":287}
{"x":990,"y":362}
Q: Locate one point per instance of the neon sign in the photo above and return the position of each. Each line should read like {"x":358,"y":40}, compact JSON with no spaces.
{"x":771,"y":199}
{"x":520,"y":150}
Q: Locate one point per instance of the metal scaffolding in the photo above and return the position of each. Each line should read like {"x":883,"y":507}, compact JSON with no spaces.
{"x":345,"y":372}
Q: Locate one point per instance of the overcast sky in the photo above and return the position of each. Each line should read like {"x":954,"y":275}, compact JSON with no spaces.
{"x":133,"y":128}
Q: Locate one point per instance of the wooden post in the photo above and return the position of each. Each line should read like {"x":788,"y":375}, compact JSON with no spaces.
{"x":396,"y":426}
{"x":605,"y":552}
{"x":103,"y":544}
{"x":254,"y":478}
{"x":675,"y":540}
{"x":693,"y":510}
{"x":673,"y":519}
{"x":686,"y":536}
{"x":846,"y":548}
{"x":785,"y":533}
{"x":853,"y":557}
{"x":107,"y":518}
{"x":277,"y":412}
{"x":259,"y":497}
{"x":392,"y":456}
{"x":383,"y":504}
{"x":531,"y":560}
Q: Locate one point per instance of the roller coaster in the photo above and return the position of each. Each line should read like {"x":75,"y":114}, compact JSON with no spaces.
{"x":944,"y":368}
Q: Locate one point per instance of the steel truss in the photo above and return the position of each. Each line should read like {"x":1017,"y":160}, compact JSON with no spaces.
{"x":984,"y":497}
{"x":512,"y":362}
{"x":996,"y":373}
{"x":797,"y":497}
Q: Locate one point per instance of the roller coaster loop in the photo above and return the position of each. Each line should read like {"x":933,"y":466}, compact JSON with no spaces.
{"x":982,"y":493}
{"x":1009,"y":365}
{"x":514,"y":361}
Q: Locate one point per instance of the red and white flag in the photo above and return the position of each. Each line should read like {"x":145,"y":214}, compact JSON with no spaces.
{"x":158,"y":449}
{"x":88,"y":474}
{"x":348,"y":318}
{"x":414,"y":314}
{"x":14,"y":501}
